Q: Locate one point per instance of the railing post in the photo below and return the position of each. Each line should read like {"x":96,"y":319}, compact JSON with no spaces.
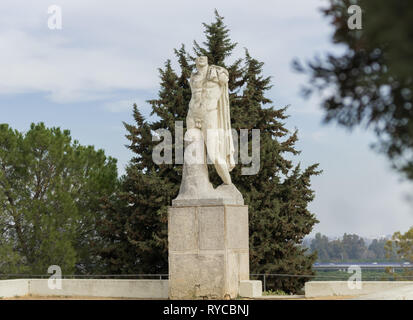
{"x":265,"y":286}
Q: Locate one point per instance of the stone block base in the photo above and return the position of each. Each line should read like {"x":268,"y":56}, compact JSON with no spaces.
{"x":250,"y":288}
{"x":208,"y":251}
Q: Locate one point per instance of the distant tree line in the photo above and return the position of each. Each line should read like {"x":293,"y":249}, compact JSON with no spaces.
{"x":350,"y":247}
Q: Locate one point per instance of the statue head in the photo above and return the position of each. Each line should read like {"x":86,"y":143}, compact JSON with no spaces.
{"x":201,"y":61}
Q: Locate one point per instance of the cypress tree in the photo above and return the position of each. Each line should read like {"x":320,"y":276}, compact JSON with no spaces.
{"x":278,"y":195}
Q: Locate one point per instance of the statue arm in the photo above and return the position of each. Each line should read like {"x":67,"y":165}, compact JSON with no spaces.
{"x":190,"y":85}
{"x":223,"y":77}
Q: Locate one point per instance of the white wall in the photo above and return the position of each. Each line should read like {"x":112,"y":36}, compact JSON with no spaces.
{"x":103,"y":288}
{"x":158,"y":289}
{"x":140,"y":289}
{"x":341,"y":288}
{"x":12,"y":288}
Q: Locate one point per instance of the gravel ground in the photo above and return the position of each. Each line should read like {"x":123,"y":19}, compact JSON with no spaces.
{"x":104,"y":298}
{"x":65,"y":298}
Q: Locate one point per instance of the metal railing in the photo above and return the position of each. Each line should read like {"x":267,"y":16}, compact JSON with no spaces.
{"x":160,"y":276}
{"x":365,"y":266}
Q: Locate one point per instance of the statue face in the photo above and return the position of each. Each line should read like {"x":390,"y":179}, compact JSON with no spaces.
{"x":201,"y":61}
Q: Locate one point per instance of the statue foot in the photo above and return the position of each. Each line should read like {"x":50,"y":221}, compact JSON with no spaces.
{"x":229,"y":191}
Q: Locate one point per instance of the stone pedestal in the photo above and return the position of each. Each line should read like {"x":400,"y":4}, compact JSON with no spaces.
{"x":208,"y":250}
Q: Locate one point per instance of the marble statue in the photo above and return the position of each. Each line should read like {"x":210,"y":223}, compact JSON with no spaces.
{"x":208,"y":244}
{"x":208,"y":129}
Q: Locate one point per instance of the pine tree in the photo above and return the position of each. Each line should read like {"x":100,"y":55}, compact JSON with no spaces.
{"x":50,"y":192}
{"x":370,"y":83}
{"x":277,"y":196}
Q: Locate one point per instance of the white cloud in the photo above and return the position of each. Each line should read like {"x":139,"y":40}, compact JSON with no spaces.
{"x":318,"y":136}
{"x":106,"y":46}
{"x":67,"y":74}
{"x":121,"y":105}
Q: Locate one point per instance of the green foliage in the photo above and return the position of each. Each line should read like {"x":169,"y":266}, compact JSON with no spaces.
{"x":274,"y":293}
{"x":350,"y":248}
{"x":401,"y":246}
{"x":50,"y":190}
{"x":136,"y":219}
{"x":371,"y":83}
{"x":377,"y":249}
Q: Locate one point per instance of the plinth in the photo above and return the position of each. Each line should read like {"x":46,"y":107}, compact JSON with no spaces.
{"x":208,"y":249}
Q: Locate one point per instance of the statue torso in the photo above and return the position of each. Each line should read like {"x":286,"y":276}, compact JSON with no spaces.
{"x":206,"y":91}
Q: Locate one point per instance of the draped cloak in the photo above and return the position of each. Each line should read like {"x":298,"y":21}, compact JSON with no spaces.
{"x":226,"y":144}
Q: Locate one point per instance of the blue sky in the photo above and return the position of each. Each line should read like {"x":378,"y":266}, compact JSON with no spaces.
{"x":86,"y":76}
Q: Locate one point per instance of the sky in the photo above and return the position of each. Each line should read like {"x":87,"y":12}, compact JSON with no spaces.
{"x":86,"y":76}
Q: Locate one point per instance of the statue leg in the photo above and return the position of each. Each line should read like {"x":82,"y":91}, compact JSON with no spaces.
{"x":192,"y":135}
{"x":212,"y":135}
{"x":190,"y":121}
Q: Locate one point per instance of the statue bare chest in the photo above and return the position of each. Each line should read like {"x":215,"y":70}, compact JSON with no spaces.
{"x":203,"y":90}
